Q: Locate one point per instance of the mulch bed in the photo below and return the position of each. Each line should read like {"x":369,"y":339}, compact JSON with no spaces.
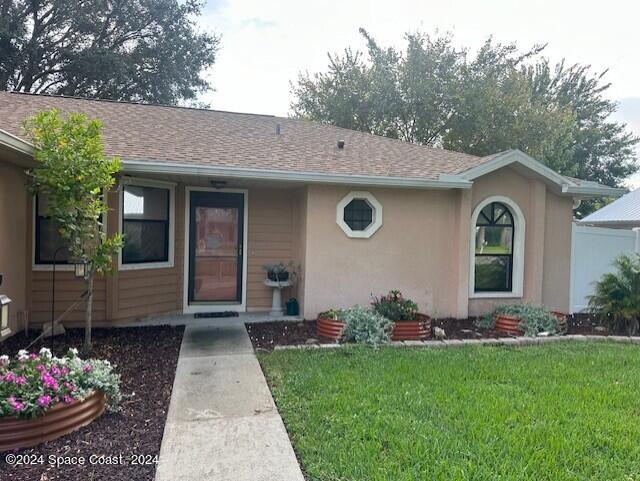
{"x":146,"y":359}
{"x":267,"y":335}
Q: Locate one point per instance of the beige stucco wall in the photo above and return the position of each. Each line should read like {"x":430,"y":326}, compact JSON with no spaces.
{"x":413,"y":251}
{"x":13,"y":249}
{"x":423,"y":247}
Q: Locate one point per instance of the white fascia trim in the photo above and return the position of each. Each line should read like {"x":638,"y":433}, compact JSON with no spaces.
{"x":598,"y":190}
{"x":16,"y":143}
{"x":148,"y":167}
{"x":377,"y":214}
{"x":511,"y":156}
{"x":170,"y":186}
{"x":517,"y":280}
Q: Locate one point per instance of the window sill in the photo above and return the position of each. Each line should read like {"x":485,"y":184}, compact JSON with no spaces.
{"x":145,"y":265}
{"x":495,"y":295}
{"x":49,"y":267}
{"x":4,"y":333}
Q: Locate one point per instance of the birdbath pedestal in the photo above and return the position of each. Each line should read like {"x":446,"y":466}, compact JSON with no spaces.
{"x":276,"y":300}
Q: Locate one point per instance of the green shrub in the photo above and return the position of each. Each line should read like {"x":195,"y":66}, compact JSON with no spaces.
{"x":533,"y":319}
{"x":395,"y":307}
{"x":616,"y":298}
{"x":365,"y":326}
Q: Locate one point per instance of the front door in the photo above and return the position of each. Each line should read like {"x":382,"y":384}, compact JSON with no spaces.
{"x":216,"y":221}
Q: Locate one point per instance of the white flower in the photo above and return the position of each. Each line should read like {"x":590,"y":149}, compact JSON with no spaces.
{"x":62,"y":361}
{"x":23,"y":355}
{"x":73,"y":351}
{"x":45,"y":353}
{"x":4,"y":360}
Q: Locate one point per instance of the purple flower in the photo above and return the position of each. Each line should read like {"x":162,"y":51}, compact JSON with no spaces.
{"x":64,"y":371}
{"x":21,"y":380}
{"x":33,"y":356}
{"x":70,"y":387}
{"x":49,"y":381}
{"x":41,"y":368}
{"x":68,"y":399}
{"x":10,"y":377}
{"x":43,"y":401}
{"x":55,"y":371}
{"x":15,"y":404}
{"x":87,"y":368}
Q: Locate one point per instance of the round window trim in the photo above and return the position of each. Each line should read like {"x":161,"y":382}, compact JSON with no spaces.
{"x":376,"y":217}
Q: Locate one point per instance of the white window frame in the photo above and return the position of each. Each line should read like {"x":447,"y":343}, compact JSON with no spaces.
{"x":171,"y":186}
{"x":376,"y":221}
{"x":517,"y":275}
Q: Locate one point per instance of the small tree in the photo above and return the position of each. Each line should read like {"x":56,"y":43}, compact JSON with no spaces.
{"x":75,"y":175}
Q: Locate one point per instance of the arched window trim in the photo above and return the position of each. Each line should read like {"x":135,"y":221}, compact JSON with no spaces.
{"x":376,"y":214}
{"x":517,"y":280}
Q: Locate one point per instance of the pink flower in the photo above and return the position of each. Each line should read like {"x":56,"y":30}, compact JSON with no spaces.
{"x":9,"y":377}
{"x":55,"y":371}
{"x":15,"y":404}
{"x":64,"y":371}
{"x":68,"y":399}
{"x":41,"y":368}
{"x":21,"y":380}
{"x":87,"y":368}
{"x":33,"y":356}
{"x":70,"y":387}
{"x":49,"y":381}
{"x":43,"y":401}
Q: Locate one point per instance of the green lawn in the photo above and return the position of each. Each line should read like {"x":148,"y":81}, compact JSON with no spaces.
{"x":566,"y":411}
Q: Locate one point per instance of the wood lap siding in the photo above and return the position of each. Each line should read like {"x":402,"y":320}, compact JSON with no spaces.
{"x":269,"y":240}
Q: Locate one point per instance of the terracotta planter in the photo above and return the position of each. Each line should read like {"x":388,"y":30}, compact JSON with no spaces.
{"x":563,"y":325}
{"x":412,"y":330}
{"x":508,"y":325}
{"x":329,"y":328}
{"x":56,"y":422}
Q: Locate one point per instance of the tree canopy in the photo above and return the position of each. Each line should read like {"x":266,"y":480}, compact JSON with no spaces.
{"x":139,"y":50}
{"x":500,"y":98}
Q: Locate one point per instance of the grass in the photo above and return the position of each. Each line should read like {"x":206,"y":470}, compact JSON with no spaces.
{"x":564,"y":411}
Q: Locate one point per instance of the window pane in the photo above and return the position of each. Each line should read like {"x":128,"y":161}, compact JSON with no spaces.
{"x":48,"y":242}
{"x":358,"y":214}
{"x":145,"y":241}
{"x":150,"y":203}
{"x":494,"y":240}
{"x":492,"y":273}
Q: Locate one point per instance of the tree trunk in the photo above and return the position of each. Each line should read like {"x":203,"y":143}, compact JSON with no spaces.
{"x":87,"y":327}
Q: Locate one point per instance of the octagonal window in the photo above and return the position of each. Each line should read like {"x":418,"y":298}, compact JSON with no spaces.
{"x":359,"y":214}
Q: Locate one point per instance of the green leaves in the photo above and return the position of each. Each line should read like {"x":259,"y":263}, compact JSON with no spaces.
{"x":616,"y":298}
{"x":140,"y":50}
{"x":74,"y":175}
{"x":502,"y":98}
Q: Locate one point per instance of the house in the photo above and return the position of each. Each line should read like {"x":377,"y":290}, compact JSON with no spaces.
{"x":206,"y":198}
{"x":623,"y":213}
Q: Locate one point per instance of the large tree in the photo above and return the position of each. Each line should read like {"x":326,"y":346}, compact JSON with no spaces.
{"x":140,"y":50}
{"x":500,"y":98}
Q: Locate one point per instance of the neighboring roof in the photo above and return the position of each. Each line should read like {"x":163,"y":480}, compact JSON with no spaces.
{"x":625,"y":210}
{"x":176,"y":140}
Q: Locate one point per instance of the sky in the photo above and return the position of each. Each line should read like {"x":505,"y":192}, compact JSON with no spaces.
{"x":267,"y":43}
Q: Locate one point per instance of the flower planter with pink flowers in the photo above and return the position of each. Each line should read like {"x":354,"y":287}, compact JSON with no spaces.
{"x":61,"y":419}
{"x":408,"y":323}
{"x":43,"y":397}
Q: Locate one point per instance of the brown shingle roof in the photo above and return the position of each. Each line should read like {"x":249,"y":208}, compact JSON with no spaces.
{"x":209,"y":137}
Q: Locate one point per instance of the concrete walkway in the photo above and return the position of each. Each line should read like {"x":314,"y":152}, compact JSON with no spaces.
{"x":222,"y":423}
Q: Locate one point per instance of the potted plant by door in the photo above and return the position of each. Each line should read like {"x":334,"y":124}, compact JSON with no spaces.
{"x":331,"y":324}
{"x":277,"y":272}
{"x":408,"y":323}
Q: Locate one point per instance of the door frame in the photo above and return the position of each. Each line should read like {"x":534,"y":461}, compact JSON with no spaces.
{"x":213,"y":306}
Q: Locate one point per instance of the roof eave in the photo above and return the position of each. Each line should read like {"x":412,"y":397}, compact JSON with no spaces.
{"x":593,"y":191}
{"x":17,"y":150}
{"x":151,"y":167}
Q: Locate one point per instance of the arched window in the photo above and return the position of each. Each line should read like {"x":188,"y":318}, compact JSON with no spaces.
{"x":498,"y":249}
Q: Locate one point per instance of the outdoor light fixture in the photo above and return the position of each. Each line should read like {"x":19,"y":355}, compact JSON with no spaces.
{"x":4,"y":312}
{"x":81,"y":269}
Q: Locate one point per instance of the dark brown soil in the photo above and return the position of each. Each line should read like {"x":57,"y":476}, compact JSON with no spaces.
{"x":146,"y":359}
{"x":267,"y":335}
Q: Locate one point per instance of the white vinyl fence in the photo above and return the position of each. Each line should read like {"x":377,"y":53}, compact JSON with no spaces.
{"x":592,"y":253}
